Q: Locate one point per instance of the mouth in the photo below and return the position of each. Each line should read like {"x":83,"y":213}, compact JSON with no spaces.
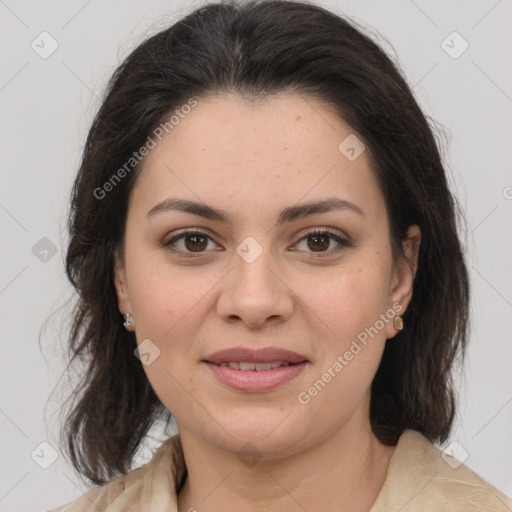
{"x":246,"y":366}
{"x":252,"y":370}
{"x":245,"y":357}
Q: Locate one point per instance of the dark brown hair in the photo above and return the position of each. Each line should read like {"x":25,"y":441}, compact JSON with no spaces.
{"x":257,"y":49}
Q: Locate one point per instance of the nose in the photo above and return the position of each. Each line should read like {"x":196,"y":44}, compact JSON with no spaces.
{"x":255,"y":294}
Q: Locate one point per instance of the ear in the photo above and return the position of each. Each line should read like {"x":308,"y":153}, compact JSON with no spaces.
{"x":403,"y":276}
{"x":120,"y":283}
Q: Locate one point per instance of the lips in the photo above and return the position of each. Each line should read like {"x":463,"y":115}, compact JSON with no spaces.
{"x":264,"y":355}
{"x":255,"y":371}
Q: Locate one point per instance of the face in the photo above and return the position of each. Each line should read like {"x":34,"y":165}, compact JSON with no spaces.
{"x":320,"y":283}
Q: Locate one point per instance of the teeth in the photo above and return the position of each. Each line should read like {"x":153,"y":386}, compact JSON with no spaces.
{"x":259,"y":367}
{"x":263,"y":366}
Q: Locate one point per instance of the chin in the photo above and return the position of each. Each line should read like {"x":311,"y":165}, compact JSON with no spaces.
{"x":274,"y":433}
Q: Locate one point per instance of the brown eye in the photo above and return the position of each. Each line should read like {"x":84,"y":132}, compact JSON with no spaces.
{"x":319,"y":242}
{"x":193,"y":243}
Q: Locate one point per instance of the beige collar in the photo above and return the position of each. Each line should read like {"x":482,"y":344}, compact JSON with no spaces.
{"x":418,"y":479}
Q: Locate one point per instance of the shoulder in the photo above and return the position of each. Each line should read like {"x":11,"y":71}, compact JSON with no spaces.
{"x":421,"y":477}
{"x":128,"y":487}
{"x":137,"y":489}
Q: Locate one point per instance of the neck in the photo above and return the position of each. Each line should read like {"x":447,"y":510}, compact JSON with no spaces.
{"x":345,"y":471}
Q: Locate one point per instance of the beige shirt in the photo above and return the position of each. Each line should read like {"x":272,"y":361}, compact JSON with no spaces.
{"x":418,"y":480}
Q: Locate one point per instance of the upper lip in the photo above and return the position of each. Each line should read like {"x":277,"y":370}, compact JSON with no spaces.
{"x":262,"y":355}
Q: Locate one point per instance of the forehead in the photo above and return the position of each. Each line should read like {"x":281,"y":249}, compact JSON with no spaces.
{"x":231,"y":125}
{"x":280,"y":149}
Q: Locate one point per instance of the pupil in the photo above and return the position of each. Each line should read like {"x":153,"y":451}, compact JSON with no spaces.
{"x":316,"y":238}
{"x":197,"y":243}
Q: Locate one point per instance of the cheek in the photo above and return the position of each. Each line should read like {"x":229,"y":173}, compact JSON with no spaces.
{"x":170,"y":305}
{"x":346,"y":300}
{"x":350,"y":343}
{"x":160,"y":294}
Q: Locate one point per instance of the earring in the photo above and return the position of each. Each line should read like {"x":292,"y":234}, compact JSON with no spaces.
{"x":127,"y":322}
{"x":398,"y":322}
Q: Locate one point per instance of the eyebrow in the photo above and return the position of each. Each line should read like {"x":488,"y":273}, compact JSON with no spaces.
{"x":288,"y":214}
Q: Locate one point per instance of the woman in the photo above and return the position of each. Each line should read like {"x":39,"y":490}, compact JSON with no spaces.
{"x":265,"y":246}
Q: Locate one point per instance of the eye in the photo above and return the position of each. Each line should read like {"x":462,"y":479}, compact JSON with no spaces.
{"x":195,"y":242}
{"x":319,"y":241}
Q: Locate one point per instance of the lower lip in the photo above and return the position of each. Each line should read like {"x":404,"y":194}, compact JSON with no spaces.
{"x":254,"y":381}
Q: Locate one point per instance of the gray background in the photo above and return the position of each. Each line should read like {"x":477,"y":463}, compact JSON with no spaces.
{"x":46,"y":106}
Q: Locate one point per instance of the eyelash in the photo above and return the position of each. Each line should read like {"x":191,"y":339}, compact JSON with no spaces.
{"x":343,"y":242}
